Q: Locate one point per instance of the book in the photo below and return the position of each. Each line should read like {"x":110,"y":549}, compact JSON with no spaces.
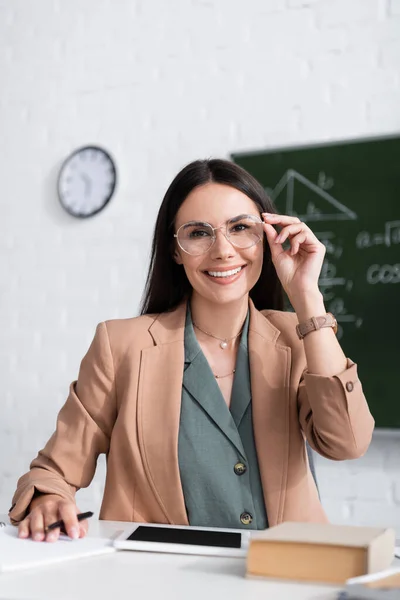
{"x":17,"y":553}
{"x":319,"y":552}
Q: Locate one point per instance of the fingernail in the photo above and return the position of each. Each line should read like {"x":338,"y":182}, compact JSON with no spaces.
{"x":277,"y":240}
{"x":51,"y":537}
{"x":38,"y":536}
{"x":74,"y":533}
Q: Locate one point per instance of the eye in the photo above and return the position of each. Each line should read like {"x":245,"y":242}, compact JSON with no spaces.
{"x":198,"y":233}
{"x":238,"y":227}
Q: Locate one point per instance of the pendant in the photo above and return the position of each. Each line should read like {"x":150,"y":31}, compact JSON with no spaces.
{"x":224,"y":345}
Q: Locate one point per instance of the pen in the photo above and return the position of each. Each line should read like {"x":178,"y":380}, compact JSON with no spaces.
{"x":61,"y":524}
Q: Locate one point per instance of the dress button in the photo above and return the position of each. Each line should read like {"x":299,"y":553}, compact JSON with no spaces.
{"x":240,"y":468}
{"x":349,"y":386}
{"x":246,"y":518}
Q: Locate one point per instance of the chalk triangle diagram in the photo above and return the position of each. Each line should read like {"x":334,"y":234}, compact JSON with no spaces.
{"x":307,"y":201}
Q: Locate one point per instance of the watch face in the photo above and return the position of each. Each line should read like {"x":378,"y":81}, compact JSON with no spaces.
{"x":87,"y":181}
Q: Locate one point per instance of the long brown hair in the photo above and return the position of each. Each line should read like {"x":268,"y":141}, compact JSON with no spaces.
{"x":167,"y":284}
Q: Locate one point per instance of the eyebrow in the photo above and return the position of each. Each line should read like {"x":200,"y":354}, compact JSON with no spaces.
{"x":190,"y":223}
{"x":240,"y":217}
{"x":232,"y":219}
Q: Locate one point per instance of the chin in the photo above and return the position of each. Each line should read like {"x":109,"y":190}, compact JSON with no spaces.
{"x":223,"y":296}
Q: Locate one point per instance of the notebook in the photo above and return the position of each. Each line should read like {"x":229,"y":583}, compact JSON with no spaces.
{"x":16,"y":553}
{"x":377,"y":586}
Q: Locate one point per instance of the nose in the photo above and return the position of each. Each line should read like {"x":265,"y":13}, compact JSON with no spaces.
{"x":222,"y":248}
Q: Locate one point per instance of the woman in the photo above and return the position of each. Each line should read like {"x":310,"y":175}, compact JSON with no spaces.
{"x":203,"y":404}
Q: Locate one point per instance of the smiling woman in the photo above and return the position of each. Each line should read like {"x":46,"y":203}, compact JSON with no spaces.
{"x":223,"y":264}
{"x":206,"y":193}
{"x":204,"y":403}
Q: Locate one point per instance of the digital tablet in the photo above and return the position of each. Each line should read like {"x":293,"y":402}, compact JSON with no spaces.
{"x":181,"y":539}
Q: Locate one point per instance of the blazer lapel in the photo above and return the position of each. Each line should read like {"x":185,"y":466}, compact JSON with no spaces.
{"x":198,"y":381}
{"x":269,"y":369}
{"x":241,"y":390}
{"x":159,"y":404}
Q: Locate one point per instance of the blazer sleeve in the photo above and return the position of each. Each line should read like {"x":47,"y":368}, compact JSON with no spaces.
{"x":83,"y":431}
{"x":334,"y":414}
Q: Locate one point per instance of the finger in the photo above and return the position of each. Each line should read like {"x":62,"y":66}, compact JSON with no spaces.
{"x":280,"y":219}
{"x":270,"y":232}
{"x":290,"y":230}
{"x":271,"y":235}
{"x":37,"y":525}
{"x":24,"y":528}
{"x":83,"y":528}
{"x":296,"y":242}
{"x":68,"y":512}
{"x":51,"y":515}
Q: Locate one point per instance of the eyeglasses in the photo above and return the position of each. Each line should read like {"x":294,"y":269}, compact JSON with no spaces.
{"x":196,"y":237}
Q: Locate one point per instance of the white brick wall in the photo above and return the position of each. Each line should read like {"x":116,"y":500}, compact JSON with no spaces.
{"x":159,"y":84}
{"x":364,"y":491}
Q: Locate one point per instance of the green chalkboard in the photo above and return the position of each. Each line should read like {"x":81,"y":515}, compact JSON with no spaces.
{"x":349,"y":194}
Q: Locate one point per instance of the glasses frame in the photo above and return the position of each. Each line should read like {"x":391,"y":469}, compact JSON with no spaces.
{"x":225,"y":234}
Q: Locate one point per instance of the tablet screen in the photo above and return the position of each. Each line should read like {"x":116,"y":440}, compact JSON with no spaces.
{"x":195,"y":537}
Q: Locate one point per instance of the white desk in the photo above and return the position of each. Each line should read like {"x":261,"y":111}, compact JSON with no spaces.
{"x":141,"y":575}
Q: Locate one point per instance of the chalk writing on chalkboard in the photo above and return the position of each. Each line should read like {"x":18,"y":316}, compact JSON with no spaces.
{"x":389,"y":237}
{"x":332,"y":283}
{"x":321,"y":206}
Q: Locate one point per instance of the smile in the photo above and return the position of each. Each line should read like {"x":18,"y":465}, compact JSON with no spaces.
{"x":224,"y":273}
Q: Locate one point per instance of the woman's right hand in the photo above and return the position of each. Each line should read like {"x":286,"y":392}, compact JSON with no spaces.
{"x":46,"y":509}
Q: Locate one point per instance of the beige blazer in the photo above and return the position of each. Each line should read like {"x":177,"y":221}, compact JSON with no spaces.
{"x":126,"y":403}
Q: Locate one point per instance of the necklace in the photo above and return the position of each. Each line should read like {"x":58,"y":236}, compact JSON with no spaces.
{"x":227,"y":375}
{"x":223,"y":341}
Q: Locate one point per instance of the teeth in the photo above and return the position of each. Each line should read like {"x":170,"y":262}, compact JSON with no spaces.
{"x":224,"y":273}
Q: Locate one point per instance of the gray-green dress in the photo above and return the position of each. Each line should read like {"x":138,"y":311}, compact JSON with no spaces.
{"x":216,"y":450}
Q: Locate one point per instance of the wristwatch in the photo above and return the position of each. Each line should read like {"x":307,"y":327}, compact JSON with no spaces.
{"x":315,"y":323}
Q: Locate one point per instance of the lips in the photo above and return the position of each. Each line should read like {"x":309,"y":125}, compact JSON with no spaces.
{"x":224,"y":274}
{"x":228,"y":273}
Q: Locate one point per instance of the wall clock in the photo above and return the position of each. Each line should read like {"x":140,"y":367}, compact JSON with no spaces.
{"x":86,"y":181}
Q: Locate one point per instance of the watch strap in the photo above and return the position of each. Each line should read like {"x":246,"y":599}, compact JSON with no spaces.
{"x":316,"y":323}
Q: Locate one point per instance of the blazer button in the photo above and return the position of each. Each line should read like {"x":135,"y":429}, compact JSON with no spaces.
{"x":246,"y":518}
{"x":240,"y":468}
{"x":349,"y":386}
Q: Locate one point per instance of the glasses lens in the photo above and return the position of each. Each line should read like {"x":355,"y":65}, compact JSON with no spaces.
{"x":195,"y":238}
{"x":244,"y":231}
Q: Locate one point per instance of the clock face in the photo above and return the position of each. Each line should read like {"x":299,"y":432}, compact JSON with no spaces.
{"x":87,"y":181}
